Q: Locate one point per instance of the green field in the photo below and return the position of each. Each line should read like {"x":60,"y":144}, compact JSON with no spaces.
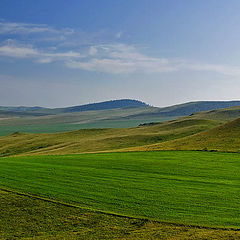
{"x":184,"y":187}
{"x":41,"y":219}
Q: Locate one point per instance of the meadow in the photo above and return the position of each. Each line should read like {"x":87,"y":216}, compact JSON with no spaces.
{"x":193,"y":188}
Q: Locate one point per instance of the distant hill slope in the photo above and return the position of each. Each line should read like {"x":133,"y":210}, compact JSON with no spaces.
{"x":224,"y":114}
{"x":123,"y":113}
{"x":175,"y":110}
{"x":13,"y":114}
{"x":93,"y":140}
{"x":113,"y":104}
{"x":34,"y":111}
{"x":192,"y":107}
{"x":20,"y":108}
{"x":225,"y":137}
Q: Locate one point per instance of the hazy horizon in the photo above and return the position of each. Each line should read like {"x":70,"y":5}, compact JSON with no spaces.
{"x":57,"y":53}
{"x":119,"y":99}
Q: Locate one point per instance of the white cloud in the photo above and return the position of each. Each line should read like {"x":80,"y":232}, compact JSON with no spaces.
{"x":62,"y":55}
{"x":113,"y":66}
{"x":124,"y":59}
{"x":221,"y":69}
{"x":93,"y":50}
{"x":114,"y":58}
{"x":29,"y":28}
{"x":118,"y":66}
{"x":19,"y":51}
{"x":23,"y":28}
{"x":46,"y":57}
{"x":121,"y":58}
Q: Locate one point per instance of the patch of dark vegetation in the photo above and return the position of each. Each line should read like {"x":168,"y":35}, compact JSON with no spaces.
{"x":209,"y":150}
{"x":16,"y":134}
{"x":148,"y":124}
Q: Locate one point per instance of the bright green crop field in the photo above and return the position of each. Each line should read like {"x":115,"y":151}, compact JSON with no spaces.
{"x":200,"y":188}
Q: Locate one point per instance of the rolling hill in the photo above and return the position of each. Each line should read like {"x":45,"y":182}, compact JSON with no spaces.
{"x":110,"y":114}
{"x":94,"y":140}
{"x":223,"y":138}
{"x":113,"y":104}
{"x":175,"y":110}
{"x":189,"y":108}
{"x":224,"y":114}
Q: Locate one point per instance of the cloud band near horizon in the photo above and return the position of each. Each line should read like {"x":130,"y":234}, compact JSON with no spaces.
{"x":110,"y":57}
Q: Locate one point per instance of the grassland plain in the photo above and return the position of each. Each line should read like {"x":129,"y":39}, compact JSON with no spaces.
{"x":115,"y":118}
{"x":92,"y":140}
{"x":77,"y":117}
{"x":64,"y":127}
{"x":199,"y":188}
{"x":31,"y":217}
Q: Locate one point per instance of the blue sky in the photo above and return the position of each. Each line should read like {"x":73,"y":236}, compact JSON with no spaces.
{"x":61,"y":53}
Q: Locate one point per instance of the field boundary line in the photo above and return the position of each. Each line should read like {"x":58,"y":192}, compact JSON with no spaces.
{"x":58,"y":202}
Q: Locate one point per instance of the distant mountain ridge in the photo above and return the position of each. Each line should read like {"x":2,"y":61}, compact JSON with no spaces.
{"x":112,"y":104}
{"x":193,"y":107}
{"x":122,"y":113}
{"x":189,"y":108}
{"x":171,"y":111}
{"x":19,"y":108}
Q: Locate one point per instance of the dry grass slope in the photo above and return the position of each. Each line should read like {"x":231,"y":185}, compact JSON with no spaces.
{"x":95,"y":140}
{"x":222,"y":138}
{"x":224,"y":114}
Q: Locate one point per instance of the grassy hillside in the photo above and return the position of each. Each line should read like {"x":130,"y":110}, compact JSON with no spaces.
{"x":92,"y":140}
{"x":35,"y":218}
{"x":225,"y":114}
{"x":183,"y":187}
{"x":175,"y":134}
{"x":221,"y":138}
